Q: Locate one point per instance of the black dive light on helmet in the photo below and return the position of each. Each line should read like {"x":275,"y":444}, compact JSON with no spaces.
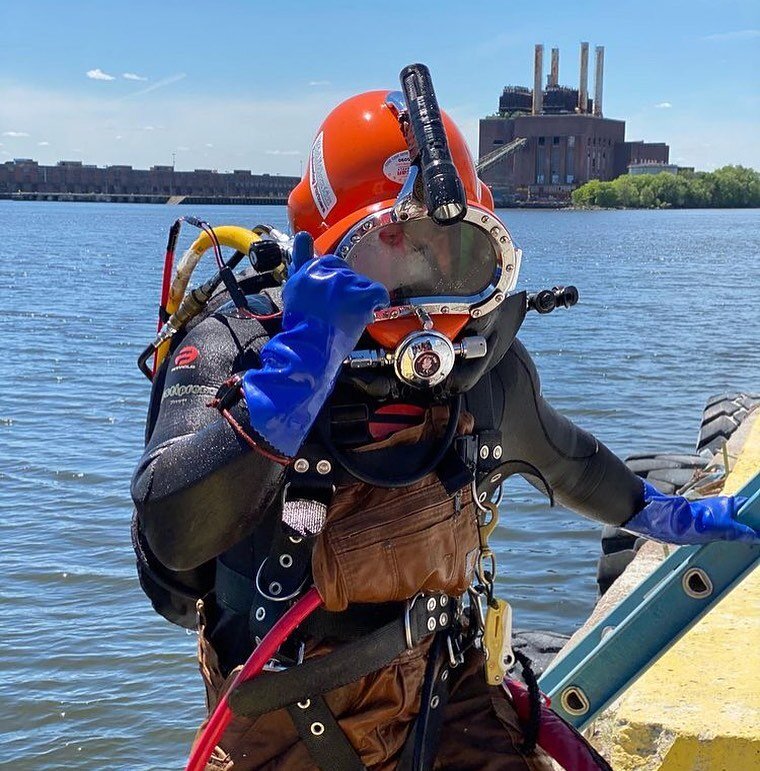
{"x":444,"y":193}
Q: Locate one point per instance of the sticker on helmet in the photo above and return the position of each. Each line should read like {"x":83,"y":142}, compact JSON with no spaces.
{"x":321,"y":189}
{"x":396,"y":168}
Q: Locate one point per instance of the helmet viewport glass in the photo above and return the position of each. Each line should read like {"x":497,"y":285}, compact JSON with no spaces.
{"x":419,"y":258}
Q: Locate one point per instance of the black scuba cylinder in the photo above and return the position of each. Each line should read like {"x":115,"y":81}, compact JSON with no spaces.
{"x":444,"y":194}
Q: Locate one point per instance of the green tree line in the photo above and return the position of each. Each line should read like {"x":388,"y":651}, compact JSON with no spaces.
{"x":727,"y":187}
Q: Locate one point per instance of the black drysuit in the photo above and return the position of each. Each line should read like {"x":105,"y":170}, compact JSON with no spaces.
{"x":203,"y":496}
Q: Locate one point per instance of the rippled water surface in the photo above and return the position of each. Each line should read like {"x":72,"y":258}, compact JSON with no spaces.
{"x":90,"y":677}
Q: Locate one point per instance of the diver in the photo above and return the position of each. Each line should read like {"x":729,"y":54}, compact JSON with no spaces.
{"x":351,"y":431}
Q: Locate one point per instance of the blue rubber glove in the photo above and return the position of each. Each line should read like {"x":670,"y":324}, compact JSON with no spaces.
{"x":674,"y":519}
{"x":326,"y":308}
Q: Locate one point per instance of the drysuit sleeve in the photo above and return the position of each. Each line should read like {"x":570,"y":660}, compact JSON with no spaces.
{"x":199,"y":488}
{"x":555,"y":455}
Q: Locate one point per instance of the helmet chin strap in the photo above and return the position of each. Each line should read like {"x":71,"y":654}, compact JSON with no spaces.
{"x":424,"y":358}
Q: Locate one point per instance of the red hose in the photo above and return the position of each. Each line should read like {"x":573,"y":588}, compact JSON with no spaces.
{"x":166,"y":282}
{"x":556,"y":738}
{"x":263,"y":653}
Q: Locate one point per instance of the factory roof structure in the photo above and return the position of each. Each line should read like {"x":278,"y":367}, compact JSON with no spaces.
{"x":545,"y":141}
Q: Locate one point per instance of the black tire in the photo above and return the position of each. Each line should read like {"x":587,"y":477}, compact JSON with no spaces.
{"x":540,"y":647}
{"x":668,"y":472}
{"x":723,"y":414}
{"x":611,"y":566}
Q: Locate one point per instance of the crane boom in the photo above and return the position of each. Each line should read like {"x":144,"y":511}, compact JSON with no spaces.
{"x":496,"y":155}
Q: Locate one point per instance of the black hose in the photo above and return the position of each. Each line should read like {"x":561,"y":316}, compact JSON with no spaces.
{"x":439,"y":450}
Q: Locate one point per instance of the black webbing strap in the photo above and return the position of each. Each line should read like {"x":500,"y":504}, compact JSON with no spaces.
{"x":421,"y":746}
{"x":434,"y":698}
{"x":280,"y":578}
{"x":331,"y":749}
{"x":233,"y":590}
{"x":354,"y":622}
{"x":328,"y":746}
{"x":273,"y":690}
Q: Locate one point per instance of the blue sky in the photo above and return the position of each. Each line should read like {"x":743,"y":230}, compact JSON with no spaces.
{"x":245,"y":84}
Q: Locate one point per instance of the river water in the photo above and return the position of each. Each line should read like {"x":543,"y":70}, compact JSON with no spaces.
{"x":90,"y":677}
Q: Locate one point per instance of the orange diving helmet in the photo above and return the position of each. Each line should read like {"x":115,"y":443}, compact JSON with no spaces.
{"x":362,"y":198}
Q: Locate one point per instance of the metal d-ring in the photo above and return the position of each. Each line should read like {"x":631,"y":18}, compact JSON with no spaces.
{"x":408,"y":620}
{"x":479,"y":503}
{"x":481,"y":573}
{"x":475,"y":601}
{"x":267,"y":596}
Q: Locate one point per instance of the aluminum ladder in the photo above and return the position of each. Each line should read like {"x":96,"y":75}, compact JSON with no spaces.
{"x":634,"y":634}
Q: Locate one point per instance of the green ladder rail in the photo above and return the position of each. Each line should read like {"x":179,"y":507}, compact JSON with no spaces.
{"x":659,"y":611}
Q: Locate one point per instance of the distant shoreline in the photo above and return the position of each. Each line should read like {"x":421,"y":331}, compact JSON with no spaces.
{"x":193,"y":200}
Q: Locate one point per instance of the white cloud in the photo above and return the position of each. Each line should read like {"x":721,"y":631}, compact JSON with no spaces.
{"x":132,"y":76}
{"x":319,"y":83}
{"x":98,"y":74}
{"x":148,"y":128}
{"x":15,"y":134}
{"x":739,"y":34}
{"x":155,"y":86}
{"x":282,"y":152}
{"x":209,"y":144}
{"x":43,"y":144}
{"x":664,"y":105}
{"x":183,"y":149}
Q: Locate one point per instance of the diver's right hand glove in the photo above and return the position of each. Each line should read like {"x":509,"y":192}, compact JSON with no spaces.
{"x":327,"y":305}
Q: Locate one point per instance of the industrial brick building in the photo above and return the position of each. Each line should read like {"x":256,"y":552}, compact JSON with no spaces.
{"x":544,"y":142}
{"x":25,"y":177}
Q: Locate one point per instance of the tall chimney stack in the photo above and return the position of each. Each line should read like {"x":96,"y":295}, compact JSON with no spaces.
{"x":538,"y":79}
{"x":554,"y":73}
{"x":599,"y":81}
{"x":583,"y":85}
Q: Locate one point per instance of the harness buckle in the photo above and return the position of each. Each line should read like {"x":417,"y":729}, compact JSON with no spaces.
{"x":455,"y":657}
{"x":275,"y":665}
{"x":408,"y":620}
{"x":277,"y":598}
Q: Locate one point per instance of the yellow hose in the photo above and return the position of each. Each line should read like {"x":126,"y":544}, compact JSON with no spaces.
{"x":234,"y":236}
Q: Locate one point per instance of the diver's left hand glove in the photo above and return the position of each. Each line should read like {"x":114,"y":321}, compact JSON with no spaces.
{"x":327,"y":305}
{"x":674,"y":519}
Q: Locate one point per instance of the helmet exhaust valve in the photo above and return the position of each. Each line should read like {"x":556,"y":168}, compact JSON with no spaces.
{"x":424,"y":359}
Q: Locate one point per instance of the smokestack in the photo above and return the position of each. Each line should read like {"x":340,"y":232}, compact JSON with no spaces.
{"x":583,"y":85}
{"x":538,"y":79}
{"x":598,"y":81}
{"x":554,"y":73}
